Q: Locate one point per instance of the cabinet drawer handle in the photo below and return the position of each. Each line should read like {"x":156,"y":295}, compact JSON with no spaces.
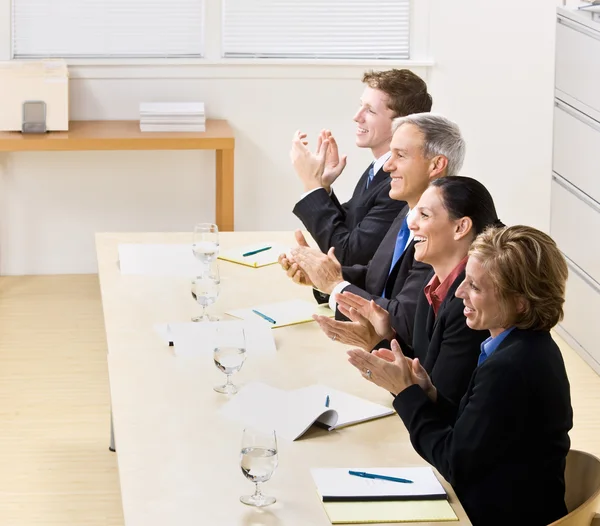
{"x":572,"y":189}
{"x":579,"y":28}
{"x":576,"y":114}
{"x":573,"y":267}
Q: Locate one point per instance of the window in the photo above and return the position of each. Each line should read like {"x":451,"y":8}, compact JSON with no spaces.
{"x":316,"y":29}
{"x":107,"y":28}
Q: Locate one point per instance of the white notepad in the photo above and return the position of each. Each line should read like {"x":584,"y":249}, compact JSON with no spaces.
{"x":261,"y":259}
{"x":190,"y":339}
{"x":284,"y":312}
{"x":291,"y":413}
{"x":158,"y":260}
{"x":337,"y":485}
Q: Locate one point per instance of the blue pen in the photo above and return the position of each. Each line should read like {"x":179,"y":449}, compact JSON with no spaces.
{"x":327,"y":401}
{"x":382,"y":477}
{"x":258,"y":251}
{"x":264,"y":316}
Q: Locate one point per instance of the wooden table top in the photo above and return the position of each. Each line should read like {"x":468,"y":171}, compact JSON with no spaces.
{"x":120,"y":135}
{"x":178,"y":458}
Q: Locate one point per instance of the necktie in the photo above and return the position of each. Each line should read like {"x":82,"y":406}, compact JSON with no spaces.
{"x":401,"y":240}
{"x":371,"y":174}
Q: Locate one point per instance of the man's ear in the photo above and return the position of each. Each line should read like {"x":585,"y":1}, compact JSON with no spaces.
{"x":438,"y":166}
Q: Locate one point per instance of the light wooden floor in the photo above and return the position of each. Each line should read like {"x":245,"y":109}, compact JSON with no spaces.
{"x":55,"y":467}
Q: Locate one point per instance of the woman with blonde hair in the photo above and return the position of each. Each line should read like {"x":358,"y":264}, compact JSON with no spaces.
{"x":504,"y":447}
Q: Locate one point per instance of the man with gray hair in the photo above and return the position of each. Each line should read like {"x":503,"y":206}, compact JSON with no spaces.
{"x":424,"y":147}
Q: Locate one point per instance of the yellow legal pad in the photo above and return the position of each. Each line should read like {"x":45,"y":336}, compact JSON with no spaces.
{"x":284,"y":313}
{"x":389,"y":511}
{"x":260,"y":259}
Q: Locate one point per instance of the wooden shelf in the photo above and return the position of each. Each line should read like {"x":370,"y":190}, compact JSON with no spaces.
{"x":119,"y":135}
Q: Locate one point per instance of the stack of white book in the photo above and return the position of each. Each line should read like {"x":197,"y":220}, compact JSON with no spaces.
{"x":172,"y":117}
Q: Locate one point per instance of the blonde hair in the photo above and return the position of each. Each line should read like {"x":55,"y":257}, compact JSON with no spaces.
{"x":524,"y":263}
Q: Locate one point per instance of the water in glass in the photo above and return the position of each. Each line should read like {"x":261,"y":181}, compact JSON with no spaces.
{"x":258,"y":460}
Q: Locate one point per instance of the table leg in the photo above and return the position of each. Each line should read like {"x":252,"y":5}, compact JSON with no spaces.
{"x":112,"y":435}
{"x":225,"y":197}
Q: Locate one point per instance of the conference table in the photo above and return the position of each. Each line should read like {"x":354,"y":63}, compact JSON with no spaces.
{"x":178,"y":458}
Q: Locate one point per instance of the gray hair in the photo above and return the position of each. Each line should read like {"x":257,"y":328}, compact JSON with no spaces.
{"x":442,"y":137}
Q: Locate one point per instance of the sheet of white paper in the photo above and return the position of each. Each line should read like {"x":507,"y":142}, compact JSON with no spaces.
{"x":267,"y":257}
{"x":337,"y":482}
{"x":264,"y":407}
{"x":284,"y":312}
{"x":158,"y":260}
{"x":190,"y":339}
{"x":350,"y":409}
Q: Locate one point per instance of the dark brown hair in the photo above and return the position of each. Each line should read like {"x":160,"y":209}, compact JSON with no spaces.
{"x":406,"y":91}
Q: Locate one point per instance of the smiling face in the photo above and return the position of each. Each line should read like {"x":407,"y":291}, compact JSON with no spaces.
{"x":437,"y":236}
{"x":482,"y":302}
{"x":374,"y":122}
{"x":409,"y":169}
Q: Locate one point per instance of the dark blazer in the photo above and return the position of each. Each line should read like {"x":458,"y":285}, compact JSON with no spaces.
{"x":504,"y":448}
{"x":445,"y":345}
{"x":355,"y":228}
{"x":405,"y":283}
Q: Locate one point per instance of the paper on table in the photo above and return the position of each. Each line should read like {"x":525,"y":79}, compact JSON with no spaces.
{"x":336,"y":484}
{"x":262,"y":259}
{"x":158,"y":260}
{"x":284,"y":313}
{"x":389,"y":511}
{"x":191,"y":338}
{"x":291,"y":413}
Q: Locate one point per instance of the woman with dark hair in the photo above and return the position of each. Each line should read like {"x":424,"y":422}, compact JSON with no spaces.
{"x":504,"y":447}
{"x":446,"y":220}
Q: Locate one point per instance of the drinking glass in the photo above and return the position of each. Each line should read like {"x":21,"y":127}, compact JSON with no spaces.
{"x":229,"y":354}
{"x":205,"y":243}
{"x":205,"y":290}
{"x":258,"y":460}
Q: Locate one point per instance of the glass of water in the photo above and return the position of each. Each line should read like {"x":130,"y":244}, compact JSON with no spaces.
{"x":229,"y":354}
{"x":205,"y":243}
{"x":258,"y":461}
{"x":205,"y":290}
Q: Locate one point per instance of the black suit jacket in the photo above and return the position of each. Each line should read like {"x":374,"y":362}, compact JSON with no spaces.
{"x":504,"y":448}
{"x":404,"y":285}
{"x":445,"y":345}
{"x":355,"y":228}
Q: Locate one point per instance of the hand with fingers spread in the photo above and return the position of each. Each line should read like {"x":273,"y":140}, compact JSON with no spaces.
{"x":322,"y":270}
{"x":378,"y":317}
{"x":334,"y":164}
{"x":358,"y":332}
{"x":309,"y":166}
{"x":391,"y":370}
{"x":291,"y":267}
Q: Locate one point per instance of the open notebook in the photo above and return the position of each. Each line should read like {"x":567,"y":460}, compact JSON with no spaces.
{"x":349,"y":499}
{"x":254,"y":255}
{"x":291,"y":413}
{"x":283,"y":313}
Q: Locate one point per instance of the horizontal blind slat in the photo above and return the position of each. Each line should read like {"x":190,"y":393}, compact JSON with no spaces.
{"x":108,"y":28}
{"x":316,"y":28}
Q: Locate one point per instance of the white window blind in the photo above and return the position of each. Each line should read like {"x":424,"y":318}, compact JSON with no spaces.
{"x":107,"y":28}
{"x":317,"y":29}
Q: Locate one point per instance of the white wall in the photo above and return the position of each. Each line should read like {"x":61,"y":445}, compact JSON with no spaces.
{"x":493,"y":75}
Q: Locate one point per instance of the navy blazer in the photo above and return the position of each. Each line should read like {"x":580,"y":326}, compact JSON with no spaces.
{"x":356,"y":227}
{"x":504,"y":447}
{"x":445,"y":345}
